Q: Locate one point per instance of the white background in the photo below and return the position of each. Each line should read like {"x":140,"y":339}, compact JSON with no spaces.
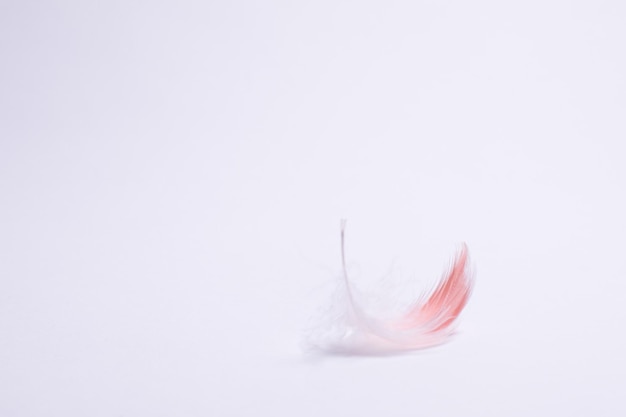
{"x":172,"y":177}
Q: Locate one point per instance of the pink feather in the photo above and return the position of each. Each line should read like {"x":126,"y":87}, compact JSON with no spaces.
{"x":428,"y":321}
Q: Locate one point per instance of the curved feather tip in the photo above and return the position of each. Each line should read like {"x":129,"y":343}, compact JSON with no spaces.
{"x":428,"y":321}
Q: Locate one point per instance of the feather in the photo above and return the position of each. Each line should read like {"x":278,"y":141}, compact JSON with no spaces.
{"x":428,"y":321}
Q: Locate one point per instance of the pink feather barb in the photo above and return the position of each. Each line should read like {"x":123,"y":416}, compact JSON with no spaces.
{"x":429,"y":321}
